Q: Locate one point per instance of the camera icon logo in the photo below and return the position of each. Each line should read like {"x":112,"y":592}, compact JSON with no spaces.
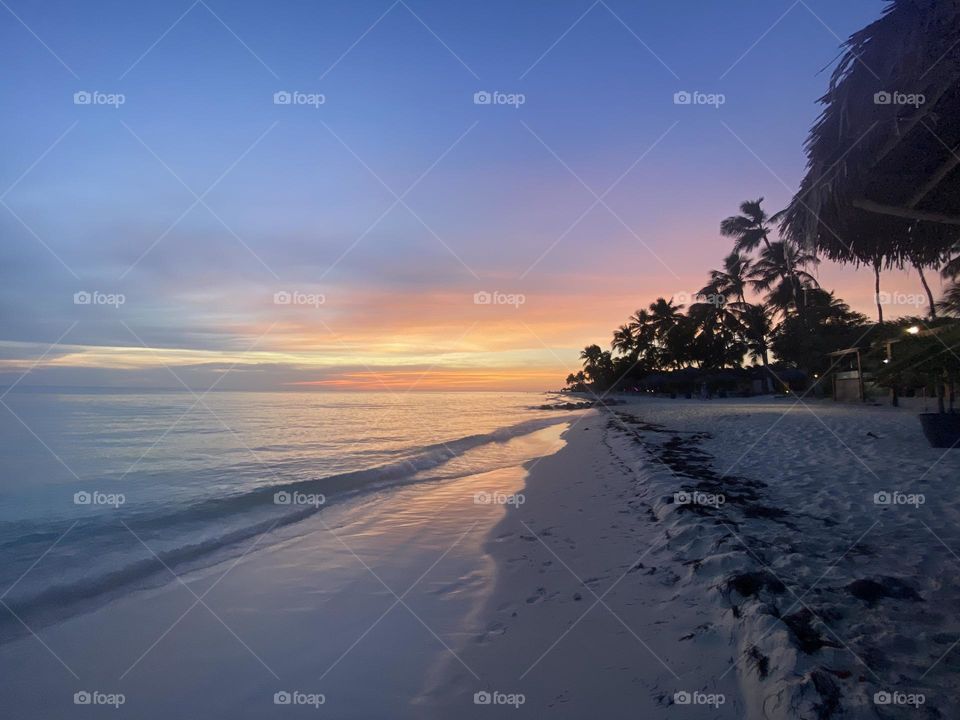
{"x":682,"y":498}
{"x":282,"y":698}
{"x":82,"y":498}
{"x":82,"y":298}
{"x":882,"y":698}
{"x":882,"y":498}
{"x":882,"y":98}
{"x":282,"y":498}
{"x":682,"y":698}
{"x":82,"y":698}
{"x":482,"y":97}
{"x":482,"y":698}
{"x":282,"y":298}
{"x":282,"y":97}
{"x":82,"y":97}
{"x":682,"y":98}
{"x":482,"y":298}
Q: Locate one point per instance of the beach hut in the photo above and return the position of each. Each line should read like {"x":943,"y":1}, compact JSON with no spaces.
{"x":883,"y":180}
{"x":847,"y":374}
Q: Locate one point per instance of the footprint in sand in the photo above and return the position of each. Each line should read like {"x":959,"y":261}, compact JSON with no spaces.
{"x":538,"y":596}
{"x":493,"y":631}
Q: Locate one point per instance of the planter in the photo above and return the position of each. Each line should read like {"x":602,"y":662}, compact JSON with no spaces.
{"x":941,"y":429}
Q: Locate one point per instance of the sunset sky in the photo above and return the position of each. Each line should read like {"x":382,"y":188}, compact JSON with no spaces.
{"x":385,"y":209}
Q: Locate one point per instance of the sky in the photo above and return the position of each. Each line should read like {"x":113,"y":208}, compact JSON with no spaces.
{"x":355,"y":194}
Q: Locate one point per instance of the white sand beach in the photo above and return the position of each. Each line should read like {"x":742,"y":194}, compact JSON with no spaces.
{"x":780,"y":590}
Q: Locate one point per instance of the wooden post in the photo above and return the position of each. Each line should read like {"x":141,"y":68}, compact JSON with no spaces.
{"x":894,"y":398}
{"x":863,"y":395}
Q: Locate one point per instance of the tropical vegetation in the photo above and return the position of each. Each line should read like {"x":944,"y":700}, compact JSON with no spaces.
{"x":763,"y":302}
{"x":882,"y":191}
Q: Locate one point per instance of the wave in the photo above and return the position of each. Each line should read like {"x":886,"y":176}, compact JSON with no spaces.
{"x":190,"y":536}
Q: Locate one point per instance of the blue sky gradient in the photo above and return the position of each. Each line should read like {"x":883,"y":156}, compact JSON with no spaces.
{"x":305,"y":197}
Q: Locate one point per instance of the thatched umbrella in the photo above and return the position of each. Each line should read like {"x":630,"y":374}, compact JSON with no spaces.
{"x":883,"y":183}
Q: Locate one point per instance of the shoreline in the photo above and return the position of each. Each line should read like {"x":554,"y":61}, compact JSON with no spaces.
{"x":584,"y":613}
{"x":603,"y":592}
{"x":215,"y":538}
{"x":361,"y":605}
{"x":795,"y":595}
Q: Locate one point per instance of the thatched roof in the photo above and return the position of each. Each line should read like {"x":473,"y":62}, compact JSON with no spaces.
{"x":882,"y":176}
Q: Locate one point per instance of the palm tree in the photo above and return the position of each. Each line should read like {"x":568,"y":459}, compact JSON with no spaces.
{"x":641,"y":329}
{"x":826,"y":309}
{"x":597,"y":365}
{"x":716,"y":341}
{"x":677,"y":344}
{"x":780,"y":273}
{"x":952,"y":267}
{"x":590,"y":355}
{"x":664,"y":316}
{"x":623,"y":340}
{"x":923,"y":280}
{"x":877,"y":262}
{"x":731,"y":282}
{"x":757,"y":327}
{"x":950,"y":304}
{"x":751,"y":228}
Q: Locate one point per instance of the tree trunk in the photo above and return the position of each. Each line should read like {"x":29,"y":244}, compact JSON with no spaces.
{"x":766,"y":372}
{"x":923,"y":279}
{"x":799,"y":299}
{"x":876,"y":285}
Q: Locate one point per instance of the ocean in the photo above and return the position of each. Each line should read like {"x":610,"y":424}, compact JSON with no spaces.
{"x":105,"y":493}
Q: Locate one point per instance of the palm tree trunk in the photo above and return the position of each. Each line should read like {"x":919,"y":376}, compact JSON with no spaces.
{"x":797,"y":293}
{"x":923,"y":279}
{"x":766,"y":372}
{"x":876,"y":284}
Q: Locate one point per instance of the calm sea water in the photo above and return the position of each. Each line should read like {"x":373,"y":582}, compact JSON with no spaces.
{"x":100,"y":492}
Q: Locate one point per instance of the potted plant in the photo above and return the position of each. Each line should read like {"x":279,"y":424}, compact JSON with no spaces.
{"x":930,"y":359}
